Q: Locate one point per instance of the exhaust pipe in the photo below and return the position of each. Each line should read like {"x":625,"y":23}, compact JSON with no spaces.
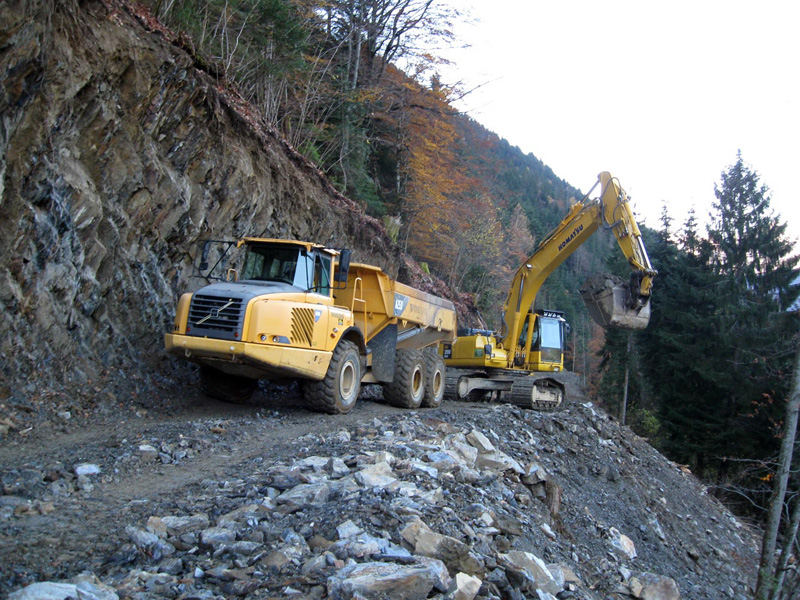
{"x":610,"y":303}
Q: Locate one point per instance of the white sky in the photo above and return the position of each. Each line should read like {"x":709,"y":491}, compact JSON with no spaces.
{"x":662,"y":95}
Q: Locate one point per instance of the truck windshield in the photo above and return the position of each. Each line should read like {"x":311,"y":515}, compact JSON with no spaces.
{"x":273,"y":263}
{"x":288,"y":264}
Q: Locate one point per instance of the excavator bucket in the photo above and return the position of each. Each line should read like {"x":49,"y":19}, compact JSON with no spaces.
{"x":607,"y":299}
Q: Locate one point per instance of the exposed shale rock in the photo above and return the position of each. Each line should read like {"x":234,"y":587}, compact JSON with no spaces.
{"x":118,"y":155}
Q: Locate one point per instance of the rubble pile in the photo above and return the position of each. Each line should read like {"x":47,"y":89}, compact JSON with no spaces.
{"x":457,"y":503}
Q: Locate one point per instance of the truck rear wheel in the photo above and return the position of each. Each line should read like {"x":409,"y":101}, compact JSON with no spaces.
{"x":407,"y":389}
{"x":226,"y":387}
{"x":338,"y":392}
{"x":434,"y":379}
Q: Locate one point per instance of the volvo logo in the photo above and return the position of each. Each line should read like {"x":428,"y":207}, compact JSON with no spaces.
{"x":214,"y":314}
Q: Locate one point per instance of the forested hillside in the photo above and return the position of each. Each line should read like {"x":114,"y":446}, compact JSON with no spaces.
{"x":711,"y":376}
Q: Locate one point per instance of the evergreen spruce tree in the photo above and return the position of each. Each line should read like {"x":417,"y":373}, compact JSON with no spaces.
{"x":720,"y":342}
{"x":751,"y":256}
{"x":679,"y":347}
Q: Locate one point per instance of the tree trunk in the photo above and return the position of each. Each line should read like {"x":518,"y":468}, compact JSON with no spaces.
{"x":766,"y":586}
{"x":624,"y":408}
{"x":789,"y":538}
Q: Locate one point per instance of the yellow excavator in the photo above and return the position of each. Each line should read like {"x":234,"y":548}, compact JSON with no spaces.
{"x":517,"y":364}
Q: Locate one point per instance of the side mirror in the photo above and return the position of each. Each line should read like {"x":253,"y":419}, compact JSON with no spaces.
{"x":204,"y":257}
{"x":344,"y":267}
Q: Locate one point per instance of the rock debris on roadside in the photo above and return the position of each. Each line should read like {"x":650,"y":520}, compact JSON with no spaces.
{"x":488,"y":502}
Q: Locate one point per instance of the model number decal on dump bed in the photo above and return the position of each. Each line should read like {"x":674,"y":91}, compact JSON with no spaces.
{"x":400,"y":303}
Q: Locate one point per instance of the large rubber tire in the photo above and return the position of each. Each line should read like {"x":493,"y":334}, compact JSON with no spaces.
{"x":407,"y":388}
{"x":435,"y":371}
{"x":234,"y":389}
{"x":338,"y":392}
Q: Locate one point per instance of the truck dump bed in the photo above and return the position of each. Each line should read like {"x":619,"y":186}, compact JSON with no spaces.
{"x":377,"y":300}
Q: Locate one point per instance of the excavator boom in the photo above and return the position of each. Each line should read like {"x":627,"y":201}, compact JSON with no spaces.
{"x":611,"y":302}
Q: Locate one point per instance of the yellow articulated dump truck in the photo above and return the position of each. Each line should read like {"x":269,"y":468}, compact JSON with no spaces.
{"x":299,"y":310}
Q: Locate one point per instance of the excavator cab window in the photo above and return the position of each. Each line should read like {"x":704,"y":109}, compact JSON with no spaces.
{"x":523,"y":335}
{"x":551,"y":341}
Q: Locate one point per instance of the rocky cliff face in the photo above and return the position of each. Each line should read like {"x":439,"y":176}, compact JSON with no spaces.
{"x":118,"y":155}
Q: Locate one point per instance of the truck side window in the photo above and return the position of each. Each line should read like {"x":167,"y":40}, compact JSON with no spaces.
{"x":322,"y":274}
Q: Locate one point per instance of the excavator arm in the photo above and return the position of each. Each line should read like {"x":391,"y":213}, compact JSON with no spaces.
{"x":618,"y":216}
{"x":610,"y":301}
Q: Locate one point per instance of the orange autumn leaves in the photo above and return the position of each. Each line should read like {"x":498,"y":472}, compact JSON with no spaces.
{"x":448,"y":216}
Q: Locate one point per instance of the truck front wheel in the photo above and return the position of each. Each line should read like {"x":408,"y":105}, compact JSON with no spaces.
{"x":408,"y":386}
{"x":338,"y":392}
{"x":226,"y":387}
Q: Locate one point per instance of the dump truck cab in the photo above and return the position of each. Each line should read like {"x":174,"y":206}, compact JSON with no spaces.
{"x":276,"y":308}
{"x":302,"y":266}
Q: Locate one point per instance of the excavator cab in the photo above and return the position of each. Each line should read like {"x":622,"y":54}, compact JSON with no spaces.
{"x":543,"y":341}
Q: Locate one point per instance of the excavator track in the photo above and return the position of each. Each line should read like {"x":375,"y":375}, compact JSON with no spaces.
{"x":539,"y":393}
{"x":451,"y":390}
{"x":451,"y":386}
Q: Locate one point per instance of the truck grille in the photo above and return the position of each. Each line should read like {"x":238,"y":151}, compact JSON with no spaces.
{"x":216,"y":316}
{"x":302,"y":326}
